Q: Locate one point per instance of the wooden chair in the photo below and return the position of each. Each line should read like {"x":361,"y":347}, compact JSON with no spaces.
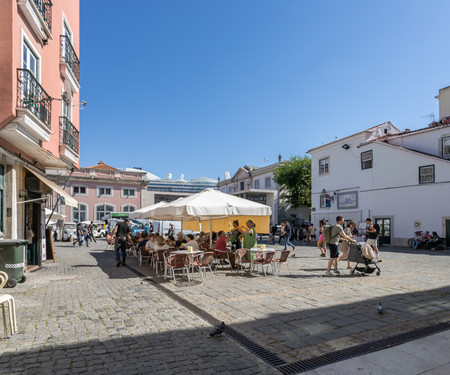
{"x":7,"y":300}
{"x":144,"y":253}
{"x":265,"y":262}
{"x":282,"y":260}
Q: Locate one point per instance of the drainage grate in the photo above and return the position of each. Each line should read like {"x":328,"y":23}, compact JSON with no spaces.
{"x":267,"y":356}
{"x":306,"y":364}
{"x":355,"y":351}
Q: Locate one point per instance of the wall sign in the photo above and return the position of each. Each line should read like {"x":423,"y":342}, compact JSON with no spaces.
{"x":348,"y":199}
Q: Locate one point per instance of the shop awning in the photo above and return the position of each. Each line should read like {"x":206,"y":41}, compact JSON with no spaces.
{"x":69,"y":200}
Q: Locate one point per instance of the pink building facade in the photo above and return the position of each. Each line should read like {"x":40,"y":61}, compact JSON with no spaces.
{"x":100,"y":190}
{"x":39,"y":112}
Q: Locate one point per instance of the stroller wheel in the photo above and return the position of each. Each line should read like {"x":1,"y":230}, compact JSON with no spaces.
{"x":352,"y":272}
{"x":378,"y":273}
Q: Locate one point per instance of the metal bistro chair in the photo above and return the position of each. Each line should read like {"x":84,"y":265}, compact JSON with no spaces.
{"x":161,"y":260}
{"x":7,"y":300}
{"x":177,"y":262}
{"x":144,"y":253}
{"x":265,"y":262}
{"x":220,"y":256}
{"x":241,"y":259}
{"x":282,"y":260}
{"x":204,"y":263}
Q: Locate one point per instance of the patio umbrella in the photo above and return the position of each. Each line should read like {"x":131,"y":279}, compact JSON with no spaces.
{"x":214,"y":207}
{"x":145,"y":212}
{"x":55,"y":216}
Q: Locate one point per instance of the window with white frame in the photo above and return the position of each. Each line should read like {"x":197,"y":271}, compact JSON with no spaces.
{"x":426,"y":174}
{"x":79,"y":214}
{"x":325,"y":201}
{"x":79,"y":190}
{"x":128,"y":192}
{"x":256,"y":184}
{"x":30,"y":60}
{"x":446,"y":147}
{"x":128,"y":208}
{"x":366,"y":159}
{"x":103,"y":209}
{"x":104,"y":191}
{"x":268,"y":182}
{"x":323,"y":166}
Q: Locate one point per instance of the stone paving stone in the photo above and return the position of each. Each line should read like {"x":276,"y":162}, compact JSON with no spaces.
{"x":84,"y":311}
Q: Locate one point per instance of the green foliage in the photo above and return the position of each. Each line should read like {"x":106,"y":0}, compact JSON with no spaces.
{"x":294,"y":178}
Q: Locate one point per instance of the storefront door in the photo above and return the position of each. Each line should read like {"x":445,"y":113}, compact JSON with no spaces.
{"x":385,"y":230}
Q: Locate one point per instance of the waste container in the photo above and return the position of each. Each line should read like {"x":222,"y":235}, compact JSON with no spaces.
{"x":11,"y":260}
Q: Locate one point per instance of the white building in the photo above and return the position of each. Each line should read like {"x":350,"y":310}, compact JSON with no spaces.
{"x":257,"y":184}
{"x":399,"y":179}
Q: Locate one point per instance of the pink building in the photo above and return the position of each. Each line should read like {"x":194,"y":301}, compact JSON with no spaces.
{"x":100,"y":190}
{"x":39,"y":111}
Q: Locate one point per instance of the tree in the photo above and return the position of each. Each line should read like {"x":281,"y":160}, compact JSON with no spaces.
{"x":294,"y":178}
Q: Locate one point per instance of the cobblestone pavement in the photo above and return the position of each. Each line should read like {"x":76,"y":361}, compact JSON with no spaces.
{"x":84,"y":315}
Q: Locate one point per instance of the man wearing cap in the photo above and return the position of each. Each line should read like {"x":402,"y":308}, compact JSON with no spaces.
{"x":122,"y":231}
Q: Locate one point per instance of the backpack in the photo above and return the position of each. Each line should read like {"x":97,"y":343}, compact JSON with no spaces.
{"x":327,"y":233}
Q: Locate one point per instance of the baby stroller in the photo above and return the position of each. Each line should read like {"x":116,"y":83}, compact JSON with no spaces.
{"x":364,"y":265}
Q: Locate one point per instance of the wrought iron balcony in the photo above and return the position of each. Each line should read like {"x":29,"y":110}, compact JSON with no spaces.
{"x":32,"y":96}
{"x":45,"y":9}
{"x":70,"y":136}
{"x":69,"y":56}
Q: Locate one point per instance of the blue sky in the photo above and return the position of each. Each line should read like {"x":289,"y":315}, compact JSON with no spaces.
{"x":203,"y":86}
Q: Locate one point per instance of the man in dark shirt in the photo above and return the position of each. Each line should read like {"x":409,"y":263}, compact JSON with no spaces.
{"x":287,"y":236}
{"x":122,"y":231}
{"x":180,"y":241}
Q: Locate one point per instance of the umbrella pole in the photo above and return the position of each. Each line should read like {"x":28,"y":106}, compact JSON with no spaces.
{"x":210,"y":232}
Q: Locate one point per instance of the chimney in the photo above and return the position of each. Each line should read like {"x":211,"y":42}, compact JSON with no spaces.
{"x":279,"y":158}
{"x":407,"y":130}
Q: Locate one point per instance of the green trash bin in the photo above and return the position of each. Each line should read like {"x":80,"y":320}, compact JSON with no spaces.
{"x":11,"y":260}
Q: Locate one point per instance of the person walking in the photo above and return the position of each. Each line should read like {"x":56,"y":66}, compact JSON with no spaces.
{"x":336,"y":234}
{"x":86,"y":235}
{"x":321,"y":244}
{"x":91,"y":229}
{"x":287,"y":236}
{"x":312,"y":233}
{"x":79,"y":235}
{"x":344,"y":246}
{"x":122,"y":231}
{"x":373,"y":230}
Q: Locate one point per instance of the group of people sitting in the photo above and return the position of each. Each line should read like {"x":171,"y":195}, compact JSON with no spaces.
{"x":427,"y":240}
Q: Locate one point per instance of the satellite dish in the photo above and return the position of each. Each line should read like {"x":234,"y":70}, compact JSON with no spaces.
{"x":417,"y":224}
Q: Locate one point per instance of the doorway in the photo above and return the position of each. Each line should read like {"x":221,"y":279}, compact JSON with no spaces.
{"x":385,"y":230}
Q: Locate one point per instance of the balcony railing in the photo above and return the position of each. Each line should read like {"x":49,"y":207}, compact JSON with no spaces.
{"x":69,"y":56}
{"x":45,"y":9}
{"x":32,"y":96}
{"x":70,"y":136}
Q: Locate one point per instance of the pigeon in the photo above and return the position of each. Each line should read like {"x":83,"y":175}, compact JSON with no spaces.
{"x":218,"y":331}
{"x":380,"y":309}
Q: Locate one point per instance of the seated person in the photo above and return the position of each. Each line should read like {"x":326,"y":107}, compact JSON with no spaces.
{"x":171,"y":241}
{"x":221,"y":243}
{"x":417,"y":241}
{"x":191,"y":242}
{"x":136,"y":238}
{"x":434,"y":241}
{"x":426,"y":237}
{"x":160,"y":244}
{"x":150,"y":245}
{"x":201,"y":237}
{"x":143,"y":240}
{"x":180,"y":240}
